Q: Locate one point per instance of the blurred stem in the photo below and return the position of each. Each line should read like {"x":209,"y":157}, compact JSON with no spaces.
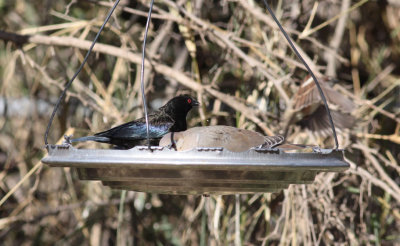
{"x":355,"y":58}
{"x":293,"y":220}
{"x":26,"y":177}
{"x":385,"y":212}
{"x":375,"y":226}
{"x":74,"y":197}
{"x":237,"y":94}
{"x":202,"y":109}
{"x":190,"y":43}
{"x":326,"y":23}
{"x":267,"y":212}
{"x":279,"y":10}
{"x":203,"y":227}
{"x":237,"y":221}
{"x":120,"y":217}
{"x":70,"y":131}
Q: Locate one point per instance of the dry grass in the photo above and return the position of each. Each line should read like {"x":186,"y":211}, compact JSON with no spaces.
{"x":232,"y":55}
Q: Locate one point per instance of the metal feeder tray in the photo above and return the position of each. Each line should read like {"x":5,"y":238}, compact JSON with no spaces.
{"x":198,"y":171}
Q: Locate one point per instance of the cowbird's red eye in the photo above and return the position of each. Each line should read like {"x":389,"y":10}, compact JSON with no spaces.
{"x":189,"y":101}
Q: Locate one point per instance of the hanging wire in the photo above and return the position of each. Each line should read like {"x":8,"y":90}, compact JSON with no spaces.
{"x":142,"y":73}
{"x":77,"y":72}
{"x":309,"y":70}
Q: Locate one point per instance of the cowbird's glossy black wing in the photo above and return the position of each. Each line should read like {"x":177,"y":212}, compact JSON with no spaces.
{"x":134,"y":133}
{"x":136,"y":130}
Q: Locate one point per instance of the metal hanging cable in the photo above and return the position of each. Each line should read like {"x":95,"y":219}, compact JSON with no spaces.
{"x":77,"y":72}
{"x":143,"y":65}
{"x":142,"y":72}
{"x":309,"y":70}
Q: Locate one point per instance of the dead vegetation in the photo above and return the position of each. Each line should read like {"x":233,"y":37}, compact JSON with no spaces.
{"x":233,"y":56}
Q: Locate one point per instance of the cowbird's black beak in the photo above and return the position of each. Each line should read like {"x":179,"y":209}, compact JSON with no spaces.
{"x":195,"y":103}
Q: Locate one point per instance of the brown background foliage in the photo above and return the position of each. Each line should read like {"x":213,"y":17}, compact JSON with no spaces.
{"x":211,"y":49}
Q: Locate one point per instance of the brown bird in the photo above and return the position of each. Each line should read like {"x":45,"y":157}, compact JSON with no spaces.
{"x":230,"y":138}
{"x":309,"y":112}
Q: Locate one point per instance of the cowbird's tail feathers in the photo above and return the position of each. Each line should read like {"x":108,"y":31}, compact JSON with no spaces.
{"x":91,"y":138}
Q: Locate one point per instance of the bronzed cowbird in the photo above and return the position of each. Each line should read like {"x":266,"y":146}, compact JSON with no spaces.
{"x":169,"y":118}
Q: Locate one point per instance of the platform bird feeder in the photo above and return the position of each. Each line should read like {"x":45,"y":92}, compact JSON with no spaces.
{"x":197,"y":171}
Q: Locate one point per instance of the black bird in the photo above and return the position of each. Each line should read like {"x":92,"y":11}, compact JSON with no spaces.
{"x":169,"y":118}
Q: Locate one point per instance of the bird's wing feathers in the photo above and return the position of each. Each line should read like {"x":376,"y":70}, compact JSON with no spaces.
{"x":230,"y":138}
{"x":334,"y":97}
{"x":310,"y":111}
{"x":140,"y":131}
{"x":319,"y":121}
{"x":308,"y":97}
{"x":137,"y":129}
{"x":272,"y":141}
